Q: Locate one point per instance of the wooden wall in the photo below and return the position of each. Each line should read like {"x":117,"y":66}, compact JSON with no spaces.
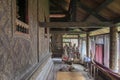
{"x":19,"y":54}
{"x":56,"y":43}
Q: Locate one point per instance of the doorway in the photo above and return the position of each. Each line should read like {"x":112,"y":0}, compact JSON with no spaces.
{"x":99,"y":53}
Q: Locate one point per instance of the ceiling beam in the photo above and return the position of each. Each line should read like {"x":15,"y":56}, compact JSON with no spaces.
{"x":58,"y":19}
{"x":92,"y":12}
{"x":74,"y":24}
{"x":63,"y":32}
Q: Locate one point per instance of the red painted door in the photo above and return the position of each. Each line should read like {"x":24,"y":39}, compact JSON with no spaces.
{"x":99,"y":53}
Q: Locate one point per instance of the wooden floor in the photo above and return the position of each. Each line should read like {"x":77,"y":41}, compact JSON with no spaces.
{"x":77,"y":74}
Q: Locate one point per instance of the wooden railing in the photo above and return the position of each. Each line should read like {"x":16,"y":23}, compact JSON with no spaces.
{"x":97,"y":69}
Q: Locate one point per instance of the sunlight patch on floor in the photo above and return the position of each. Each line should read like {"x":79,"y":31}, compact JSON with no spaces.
{"x":70,"y":76}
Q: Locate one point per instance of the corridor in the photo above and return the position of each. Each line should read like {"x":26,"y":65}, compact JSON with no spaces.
{"x":35,"y":34}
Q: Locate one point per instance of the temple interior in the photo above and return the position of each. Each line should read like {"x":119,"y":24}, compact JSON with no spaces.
{"x":59,"y":39}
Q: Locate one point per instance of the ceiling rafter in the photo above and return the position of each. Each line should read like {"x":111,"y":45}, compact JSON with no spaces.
{"x":92,"y":12}
{"x":112,"y":11}
{"x":103,"y":5}
{"x":115,"y":16}
{"x":58,"y":6}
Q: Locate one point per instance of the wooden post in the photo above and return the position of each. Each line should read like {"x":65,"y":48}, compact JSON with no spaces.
{"x":113,"y":63}
{"x":78,"y":40}
{"x":94,"y":72}
{"x":87,"y":45}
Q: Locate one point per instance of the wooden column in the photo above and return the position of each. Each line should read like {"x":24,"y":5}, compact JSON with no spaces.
{"x":87,"y":45}
{"x":113,"y":63}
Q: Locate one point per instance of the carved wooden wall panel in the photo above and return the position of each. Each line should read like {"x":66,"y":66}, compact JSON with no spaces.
{"x":6,"y":61}
{"x":18,"y":54}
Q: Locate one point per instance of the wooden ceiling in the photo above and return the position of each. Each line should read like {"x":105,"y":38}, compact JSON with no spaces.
{"x":94,"y":11}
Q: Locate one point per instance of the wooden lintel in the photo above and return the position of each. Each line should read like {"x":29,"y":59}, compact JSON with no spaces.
{"x":74,"y":24}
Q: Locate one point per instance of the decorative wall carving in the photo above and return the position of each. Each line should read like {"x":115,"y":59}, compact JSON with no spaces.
{"x":18,"y":54}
